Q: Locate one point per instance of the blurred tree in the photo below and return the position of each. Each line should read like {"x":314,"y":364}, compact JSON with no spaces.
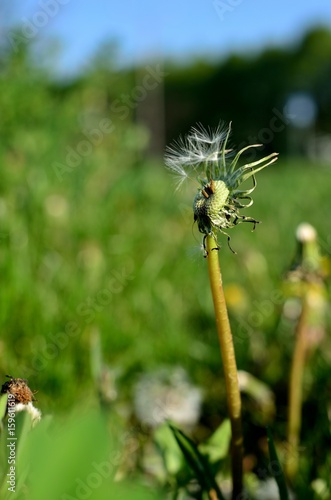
{"x":251,"y":91}
{"x":313,"y":72}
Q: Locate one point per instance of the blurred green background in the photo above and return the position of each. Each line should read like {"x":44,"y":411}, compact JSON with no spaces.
{"x":103,"y":277}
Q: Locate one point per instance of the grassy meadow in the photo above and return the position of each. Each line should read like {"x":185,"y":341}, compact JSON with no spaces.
{"x":103,"y":279}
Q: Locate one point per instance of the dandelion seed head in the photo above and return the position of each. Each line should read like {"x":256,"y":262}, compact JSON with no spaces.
{"x":306,"y":232}
{"x":203,"y":156}
{"x":18,"y":388}
{"x":23,"y":397}
{"x":198,"y":147}
{"x":167,"y":394}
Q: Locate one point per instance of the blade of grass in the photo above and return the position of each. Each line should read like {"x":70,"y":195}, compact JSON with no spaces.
{"x":198,"y":463}
{"x":277,"y":471}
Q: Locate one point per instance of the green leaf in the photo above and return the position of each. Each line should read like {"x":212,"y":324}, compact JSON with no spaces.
{"x":3,"y":406}
{"x":197,"y":462}
{"x":74,"y":459}
{"x":260,"y":393}
{"x":276,"y":468}
{"x":167,"y":444}
{"x":217,"y":446}
{"x":320,"y":489}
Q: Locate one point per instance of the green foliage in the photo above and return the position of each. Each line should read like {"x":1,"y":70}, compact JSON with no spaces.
{"x":217,"y":446}
{"x":69,"y":459}
{"x":277,"y":468}
{"x":97,"y":256}
{"x":198,"y":462}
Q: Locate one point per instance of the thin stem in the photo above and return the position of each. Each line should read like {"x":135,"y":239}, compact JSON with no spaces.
{"x":212,"y":495}
{"x":295,"y":392}
{"x":229,"y":365}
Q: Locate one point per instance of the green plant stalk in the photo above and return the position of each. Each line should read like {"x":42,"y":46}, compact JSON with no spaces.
{"x":229,"y":365}
{"x":295,"y":392}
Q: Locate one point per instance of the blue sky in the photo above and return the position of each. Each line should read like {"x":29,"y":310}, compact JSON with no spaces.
{"x":151,"y":28}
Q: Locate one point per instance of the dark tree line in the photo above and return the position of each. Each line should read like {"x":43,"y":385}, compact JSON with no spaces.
{"x":252,"y":91}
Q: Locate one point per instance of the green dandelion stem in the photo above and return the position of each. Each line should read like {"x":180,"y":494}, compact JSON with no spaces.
{"x":229,"y":364}
{"x":295,"y":392}
{"x":305,"y":280}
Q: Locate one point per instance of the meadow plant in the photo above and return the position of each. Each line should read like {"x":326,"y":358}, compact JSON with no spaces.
{"x":305,"y":282}
{"x":22,"y":397}
{"x":203,"y":156}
